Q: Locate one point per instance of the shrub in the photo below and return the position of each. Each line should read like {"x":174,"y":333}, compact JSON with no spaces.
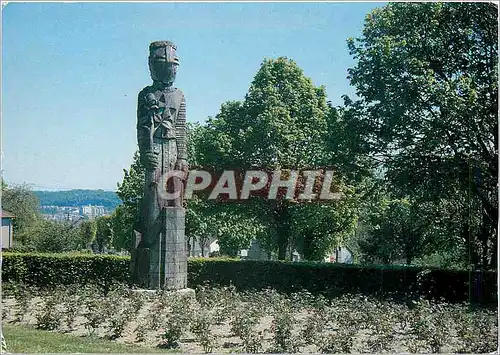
{"x":142,"y":329}
{"x":336,"y":279}
{"x":282,"y":328}
{"x":71,"y":310}
{"x":338,"y":341}
{"x":176,"y":320}
{"x":313,"y":327}
{"x":477,"y":331}
{"x":23,"y":296}
{"x":243,"y":325}
{"x":201,"y":328}
{"x":121,"y":312}
{"x":96,"y":309}
{"x":49,"y":314}
{"x":46,"y":270}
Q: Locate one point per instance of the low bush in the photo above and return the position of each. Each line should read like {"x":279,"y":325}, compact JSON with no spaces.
{"x":47,"y":270}
{"x":262,"y":322}
{"x":331,"y":280}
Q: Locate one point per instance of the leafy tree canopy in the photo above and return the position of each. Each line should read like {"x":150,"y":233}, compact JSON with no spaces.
{"x":281,"y":124}
{"x":426,"y":109}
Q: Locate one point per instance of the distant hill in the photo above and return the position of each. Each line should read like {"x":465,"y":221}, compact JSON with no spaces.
{"x":68,"y":198}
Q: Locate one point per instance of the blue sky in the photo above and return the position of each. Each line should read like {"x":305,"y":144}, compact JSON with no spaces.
{"x":71,"y":73}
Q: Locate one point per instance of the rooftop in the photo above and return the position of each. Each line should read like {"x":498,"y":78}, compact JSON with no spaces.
{"x":6,"y":214}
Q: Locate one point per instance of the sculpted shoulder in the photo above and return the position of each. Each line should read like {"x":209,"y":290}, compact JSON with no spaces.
{"x":175,"y":94}
{"x":146,"y":90}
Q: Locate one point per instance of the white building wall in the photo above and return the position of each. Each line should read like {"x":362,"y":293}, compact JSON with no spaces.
{"x":6,"y":233}
{"x":210,"y":247}
{"x":340,"y":255}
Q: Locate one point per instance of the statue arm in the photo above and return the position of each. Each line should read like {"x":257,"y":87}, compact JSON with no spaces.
{"x":180,"y":130}
{"x":144,"y":128}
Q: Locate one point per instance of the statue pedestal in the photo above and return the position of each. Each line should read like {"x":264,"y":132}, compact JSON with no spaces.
{"x":164,"y":264}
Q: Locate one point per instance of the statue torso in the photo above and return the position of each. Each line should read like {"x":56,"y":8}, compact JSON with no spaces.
{"x":168,"y":101}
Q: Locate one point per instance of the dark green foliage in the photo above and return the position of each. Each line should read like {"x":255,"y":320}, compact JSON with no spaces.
{"x":130,"y":191}
{"x":24,"y":204}
{"x":122,"y":222}
{"x":103,"y":236}
{"x":426,"y":114}
{"x":281,"y":124}
{"x":336,"y":279}
{"x":399,"y":231}
{"x":320,"y":278}
{"x":55,"y":237}
{"x":47,"y":270}
{"x":87,"y":233}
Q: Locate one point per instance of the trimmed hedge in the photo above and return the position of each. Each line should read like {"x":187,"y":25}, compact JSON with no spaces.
{"x":336,"y":279}
{"x":45,"y":270}
{"x":328,"y":279}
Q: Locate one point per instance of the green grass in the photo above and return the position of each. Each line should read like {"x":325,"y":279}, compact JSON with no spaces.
{"x":21,"y":339}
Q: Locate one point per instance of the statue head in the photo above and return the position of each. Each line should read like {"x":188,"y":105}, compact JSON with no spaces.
{"x":163,"y":62}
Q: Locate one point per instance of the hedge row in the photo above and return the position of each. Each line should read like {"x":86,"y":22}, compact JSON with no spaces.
{"x":328,"y":279}
{"x":336,"y":279}
{"x":45,"y":270}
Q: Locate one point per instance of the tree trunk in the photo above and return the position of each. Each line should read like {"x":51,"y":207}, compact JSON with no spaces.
{"x":282,"y":218}
{"x":282,"y":246}
{"x":473,"y":256}
{"x":307,"y":252}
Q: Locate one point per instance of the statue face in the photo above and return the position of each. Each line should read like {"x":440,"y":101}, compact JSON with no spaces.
{"x":162,"y":71}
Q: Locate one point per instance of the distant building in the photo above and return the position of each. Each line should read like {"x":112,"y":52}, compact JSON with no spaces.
{"x":7,"y":231}
{"x":93,"y":211}
{"x":340,"y":255}
{"x":87,"y":210}
{"x":211,"y":246}
{"x":256,"y":252}
{"x":61,"y":214}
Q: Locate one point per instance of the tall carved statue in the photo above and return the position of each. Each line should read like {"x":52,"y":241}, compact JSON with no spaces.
{"x":159,"y":258}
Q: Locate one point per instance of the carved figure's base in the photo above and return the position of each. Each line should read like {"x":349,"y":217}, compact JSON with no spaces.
{"x":164,"y":264}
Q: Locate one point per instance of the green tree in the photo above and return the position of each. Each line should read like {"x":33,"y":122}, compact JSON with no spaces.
{"x":233,"y":225}
{"x":426,"y":81}
{"x":398,"y":232}
{"x":122,"y":223}
{"x":23,"y":203}
{"x":318,"y":227}
{"x":87,"y":233}
{"x":55,"y":237}
{"x":126,"y":215}
{"x":281,"y":124}
{"x":103,"y":238}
